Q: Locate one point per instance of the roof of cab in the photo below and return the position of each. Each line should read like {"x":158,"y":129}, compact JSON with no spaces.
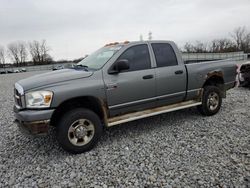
{"x":138,"y":42}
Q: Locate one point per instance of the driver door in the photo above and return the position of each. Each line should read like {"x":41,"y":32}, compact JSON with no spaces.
{"x":133,"y":89}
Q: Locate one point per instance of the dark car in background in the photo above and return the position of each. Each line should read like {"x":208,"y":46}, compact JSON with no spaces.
{"x":3,"y":71}
{"x":10,"y":71}
{"x":244,"y":75}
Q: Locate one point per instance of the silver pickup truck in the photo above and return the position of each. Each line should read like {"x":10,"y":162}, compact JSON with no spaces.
{"x":118,"y":83}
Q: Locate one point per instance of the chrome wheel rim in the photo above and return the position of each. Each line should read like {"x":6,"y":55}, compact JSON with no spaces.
{"x":213,"y":101}
{"x":81,"y":132}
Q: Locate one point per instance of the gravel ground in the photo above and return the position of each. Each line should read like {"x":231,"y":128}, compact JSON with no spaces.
{"x":178,"y":149}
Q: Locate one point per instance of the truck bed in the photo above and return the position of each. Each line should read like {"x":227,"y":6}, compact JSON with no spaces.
{"x":198,"y":73}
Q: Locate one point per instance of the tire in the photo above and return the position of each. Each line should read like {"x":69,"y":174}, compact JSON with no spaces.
{"x":211,"y":101}
{"x":79,"y":130}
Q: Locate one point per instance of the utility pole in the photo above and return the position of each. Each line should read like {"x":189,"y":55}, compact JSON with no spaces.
{"x":150,"y":35}
{"x":141,"y":37}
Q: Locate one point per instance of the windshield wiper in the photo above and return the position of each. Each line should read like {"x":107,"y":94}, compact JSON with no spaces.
{"x":81,"y":65}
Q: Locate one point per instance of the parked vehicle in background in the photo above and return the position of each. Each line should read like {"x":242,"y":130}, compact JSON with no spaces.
{"x":244,"y":75}
{"x":3,"y":71}
{"x":57,"y":67}
{"x":23,"y":70}
{"x":69,"y":66}
{"x":16,"y":71}
{"x":10,"y":71}
{"x":120,"y":82}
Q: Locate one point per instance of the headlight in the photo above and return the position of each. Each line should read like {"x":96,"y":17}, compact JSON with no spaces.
{"x":38,"y":99}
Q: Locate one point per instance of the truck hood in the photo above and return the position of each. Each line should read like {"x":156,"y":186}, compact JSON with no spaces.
{"x":53,"y":78}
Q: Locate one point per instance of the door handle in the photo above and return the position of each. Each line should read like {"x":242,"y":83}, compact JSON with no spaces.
{"x":179,"y":72}
{"x":148,"y":77}
{"x":111,"y":86}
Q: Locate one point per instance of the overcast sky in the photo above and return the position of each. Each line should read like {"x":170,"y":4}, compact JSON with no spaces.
{"x":74,"y":28}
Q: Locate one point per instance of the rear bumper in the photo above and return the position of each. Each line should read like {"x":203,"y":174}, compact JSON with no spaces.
{"x":230,"y":85}
{"x":227,"y":86}
{"x":34,"y":122}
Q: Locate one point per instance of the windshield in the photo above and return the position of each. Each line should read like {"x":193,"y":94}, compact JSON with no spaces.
{"x":97,"y":59}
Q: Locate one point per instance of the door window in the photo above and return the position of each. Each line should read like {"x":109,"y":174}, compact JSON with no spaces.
{"x":164,"y":55}
{"x":138,"y":57}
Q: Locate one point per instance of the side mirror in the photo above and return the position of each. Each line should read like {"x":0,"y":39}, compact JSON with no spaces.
{"x":119,"y":66}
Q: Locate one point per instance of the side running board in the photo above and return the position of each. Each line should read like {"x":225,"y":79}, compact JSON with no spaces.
{"x":151,"y":112}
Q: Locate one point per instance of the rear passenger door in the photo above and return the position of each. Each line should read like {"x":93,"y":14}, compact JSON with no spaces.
{"x":170,"y":77}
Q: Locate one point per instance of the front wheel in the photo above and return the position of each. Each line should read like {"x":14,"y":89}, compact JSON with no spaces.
{"x":211,"y":101}
{"x":79,"y":130}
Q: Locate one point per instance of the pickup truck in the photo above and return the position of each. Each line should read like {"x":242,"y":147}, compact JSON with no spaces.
{"x":118,"y":83}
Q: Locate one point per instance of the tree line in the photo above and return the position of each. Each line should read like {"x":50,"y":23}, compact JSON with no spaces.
{"x":239,"y":40}
{"x":19,"y":51}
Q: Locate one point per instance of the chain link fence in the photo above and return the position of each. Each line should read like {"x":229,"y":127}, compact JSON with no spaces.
{"x":35,"y":68}
{"x":199,"y":57}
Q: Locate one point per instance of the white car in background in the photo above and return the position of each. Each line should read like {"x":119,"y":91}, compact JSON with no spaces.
{"x":23,"y":70}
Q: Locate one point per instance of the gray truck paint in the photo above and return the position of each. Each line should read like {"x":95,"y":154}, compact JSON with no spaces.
{"x":125,"y":92}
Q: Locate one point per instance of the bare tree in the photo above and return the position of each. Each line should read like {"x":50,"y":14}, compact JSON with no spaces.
{"x":39,"y":52}
{"x":200,"y":47}
{"x":2,"y":56}
{"x":22,"y":52}
{"x":238,"y":36}
{"x":18,"y":53}
{"x":188,"y":47}
{"x":241,"y":38}
{"x":222,"y":45}
{"x":13,"y":53}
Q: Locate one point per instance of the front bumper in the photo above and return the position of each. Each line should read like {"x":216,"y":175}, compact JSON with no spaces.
{"x":34,"y":122}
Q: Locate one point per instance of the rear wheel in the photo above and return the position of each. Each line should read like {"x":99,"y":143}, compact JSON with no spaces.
{"x":79,"y":130}
{"x":211,"y":101}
